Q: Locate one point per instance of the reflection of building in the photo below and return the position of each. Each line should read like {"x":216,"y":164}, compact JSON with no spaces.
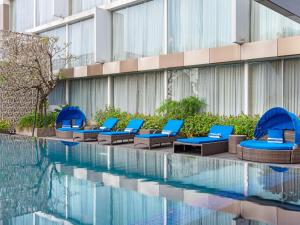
{"x":24,"y":181}
{"x":92,"y":184}
{"x":133,"y":54}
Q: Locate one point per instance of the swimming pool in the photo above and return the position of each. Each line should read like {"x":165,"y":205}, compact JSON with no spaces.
{"x":51,"y":182}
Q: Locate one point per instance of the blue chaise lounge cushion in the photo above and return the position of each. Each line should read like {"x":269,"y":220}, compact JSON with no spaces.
{"x":171,"y":129}
{"x":106,"y":127}
{"x":133,"y":127}
{"x":223,"y":134}
{"x":200,"y":140}
{"x":265,"y":145}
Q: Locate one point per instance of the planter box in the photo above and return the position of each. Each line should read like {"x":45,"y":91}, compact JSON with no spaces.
{"x":38,"y":132}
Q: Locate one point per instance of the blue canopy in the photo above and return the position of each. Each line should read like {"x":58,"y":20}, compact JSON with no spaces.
{"x":278,"y":118}
{"x":70,"y":113}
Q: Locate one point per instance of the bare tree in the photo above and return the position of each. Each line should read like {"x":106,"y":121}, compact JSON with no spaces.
{"x":28,"y":63}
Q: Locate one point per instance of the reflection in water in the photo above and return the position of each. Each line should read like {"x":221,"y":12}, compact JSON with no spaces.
{"x":48,"y":182}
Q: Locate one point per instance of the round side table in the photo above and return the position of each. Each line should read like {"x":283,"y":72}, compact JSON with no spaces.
{"x":234,"y":140}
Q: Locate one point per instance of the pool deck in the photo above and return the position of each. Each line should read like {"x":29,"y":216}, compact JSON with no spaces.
{"x":168,"y":149}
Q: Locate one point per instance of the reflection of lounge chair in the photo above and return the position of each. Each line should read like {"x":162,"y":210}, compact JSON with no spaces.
{"x":84,"y":135}
{"x":168,"y":135}
{"x":68,"y":120}
{"x":128,"y":134}
{"x":216,"y":142}
{"x":277,"y":139}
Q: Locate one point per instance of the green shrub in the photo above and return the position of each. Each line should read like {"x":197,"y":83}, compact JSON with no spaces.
{"x":199,"y":124}
{"x":195,"y":125}
{"x":27,"y":121}
{"x":243,"y":124}
{"x":5,"y":126}
{"x":181,"y":109}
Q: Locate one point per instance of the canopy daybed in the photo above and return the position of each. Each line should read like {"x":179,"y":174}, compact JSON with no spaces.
{"x":277,"y":139}
{"x":69,"y":119}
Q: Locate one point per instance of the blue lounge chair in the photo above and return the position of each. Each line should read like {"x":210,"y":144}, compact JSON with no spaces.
{"x":84,"y":135}
{"x":277,"y":139}
{"x":216,"y":142}
{"x":168,"y":135}
{"x":128,"y":134}
{"x":70,"y":119}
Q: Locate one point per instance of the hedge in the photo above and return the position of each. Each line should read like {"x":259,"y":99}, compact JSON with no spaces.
{"x":196,"y":125}
{"x":27,"y":121}
{"x":5,"y":126}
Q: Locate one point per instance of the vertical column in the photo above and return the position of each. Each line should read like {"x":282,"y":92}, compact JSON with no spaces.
{"x":165,"y":47}
{"x":67,"y":42}
{"x":35,"y":13}
{"x":110,"y":91}
{"x":246,"y":89}
{"x":4,"y":14}
{"x":67,"y":92}
{"x":282,"y":81}
{"x":102,"y":35}
{"x":240,"y":21}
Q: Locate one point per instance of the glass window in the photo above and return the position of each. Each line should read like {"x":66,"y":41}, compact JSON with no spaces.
{"x":196,"y":24}
{"x":81,"y":39}
{"x":140,"y":93}
{"x":89,"y":94}
{"x":45,"y":11}
{"x":60,"y":34}
{"x":81,"y":5}
{"x":291,"y":84}
{"x":138,"y":31}
{"x":266,"y":86}
{"x":221,"y":87}
{"x":22,"y":15}
{"x":267,"y":24}
{"x":58,"y":94}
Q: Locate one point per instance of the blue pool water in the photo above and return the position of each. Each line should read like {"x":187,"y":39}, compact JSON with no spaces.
{"x":50,"y":182}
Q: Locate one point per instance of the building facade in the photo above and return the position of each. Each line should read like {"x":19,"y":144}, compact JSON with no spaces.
{"x":238,"y":55}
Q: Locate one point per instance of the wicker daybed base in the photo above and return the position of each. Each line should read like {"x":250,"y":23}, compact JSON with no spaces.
{"x":64,"y":134}
{"x":85,"y":136}
{"x":269,"y":156}
{"x":204,"y":149}
{"x":150,"y":142}
{"x":112,"y":139}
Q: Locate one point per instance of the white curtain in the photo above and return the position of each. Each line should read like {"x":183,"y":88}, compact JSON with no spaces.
{"x":81,"y":38}
{"x":291,"y":85}
{"x":138,"y":30}
{"x":45,"y":11}
{"x":267,"y":24}
{"x":196,"y":24}
{"x":58,"y":94}
{"x":230,"y":89}
{"x":82,"y":5}
{"x":22,"y":15}
{"x":221,"y":87}
{"x":89,"y":94}
{"x":266,"y":86}
{"x":140,"y":93}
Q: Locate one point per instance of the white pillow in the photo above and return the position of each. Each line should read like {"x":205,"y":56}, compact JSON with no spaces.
{"x":275,"y":140}
{"x":214,"y":135}
{"x":130,"y":130}
{"x":167,"y":132}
